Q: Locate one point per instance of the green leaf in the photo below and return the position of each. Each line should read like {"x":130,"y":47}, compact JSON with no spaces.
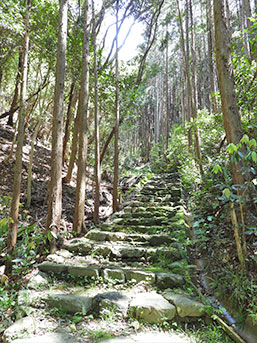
{"x":254,"y":156}
{"x":217,"y":169}
{"x":226,"y":192}
{"x":253,"y":143}
{"x":245,"y":139}
{"x":231,"y":148}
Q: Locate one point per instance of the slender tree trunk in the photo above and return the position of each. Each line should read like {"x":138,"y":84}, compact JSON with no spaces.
{"x":167,"y":92}
{"x":79,"y":212}
{"x":194,"y":92}
{"x":68,"y":121}
{"x":214,"y":105}
{"x":115,"y":203}
{"x":74,"y":148}
{"x":31,"y":162}
{"x":16,"y":92}
{"x":12,"y":237}
{"x":186,"y":61}
{"x":231,"y":118}
{"x":97,"y":138}
{"x":55,"y":184}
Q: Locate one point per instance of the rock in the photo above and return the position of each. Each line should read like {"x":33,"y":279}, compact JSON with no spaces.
{"x":64,"y":253}
{"x":114,"y":303}
{"x":156,"y":240}
{"x":55,"y":258}
{"x":102,"y":250}
{"x":49,"y":338}
{"x":37,"y":281}
{"x":152,"y":308}
{"x":90,"y":272}
{"x":168,"y":280}
{"x":52,"y":267}
{"x":71,"y":303}
{"x":114,"y":274}
{"x":127,"y":252}
{"x":20,"y":327}
{"x":79,"y":245}
{"x":139,"y":275}
{"x":96,"y":235}
{"x":186,"y":307}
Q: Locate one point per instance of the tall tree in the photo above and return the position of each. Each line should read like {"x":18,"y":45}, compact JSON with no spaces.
{"x":231,"y":117}
{"x":115,"y":203}
{"x":79,"y":211}
{"x":12,"y":237}
{"x":96,"y":115}
{"x":55,"y":184}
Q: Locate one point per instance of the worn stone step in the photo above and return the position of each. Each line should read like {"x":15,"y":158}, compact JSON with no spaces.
{"x":171,"y":227}
{"x":107,"y":236}
{"x":146,"y":221}
{"x":123,"y":251}
{"x":115,"y":273}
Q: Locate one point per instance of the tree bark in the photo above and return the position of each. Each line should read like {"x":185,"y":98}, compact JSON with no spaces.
{"x":16,"y":92}
{"x":55,"y":184}
{"x":115,"y":204}
{"x":12,"y":236}
{"x":68,"y":121}
{"x":79,"y":211}
{"x":96,"y":133}
{"x":231,"y":118}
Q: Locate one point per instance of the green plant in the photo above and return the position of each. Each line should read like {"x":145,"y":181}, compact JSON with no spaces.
{"x":99,"y":335}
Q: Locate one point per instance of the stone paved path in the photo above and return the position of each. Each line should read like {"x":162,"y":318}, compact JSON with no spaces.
{"x":128,"y":268}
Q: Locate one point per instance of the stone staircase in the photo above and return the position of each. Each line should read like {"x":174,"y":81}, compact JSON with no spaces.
{"x":129,"y":268}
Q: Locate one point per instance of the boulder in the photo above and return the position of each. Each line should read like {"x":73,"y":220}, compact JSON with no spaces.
{"x":71,"y":303}
{"x":152,"y":308}
{"x":90,"y":272}
{"x":114,"y":274}
{"x":37,"y":281}
{"x":169,"y":280}
{"x":20,"y":327}
{"x":52,"y":267}
{"x":186,"y":307}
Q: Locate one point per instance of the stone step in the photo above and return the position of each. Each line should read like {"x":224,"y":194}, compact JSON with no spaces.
{"x":107,"y":236}
{"x":123,"y":250}
{"x":171,"y":227}
{"x":163,"y":200}
{"x":146,"y":221}
{"x":114,"y":273}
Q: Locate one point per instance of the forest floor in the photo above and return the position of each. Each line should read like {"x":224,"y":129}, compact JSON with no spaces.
{"x":40,"y":177}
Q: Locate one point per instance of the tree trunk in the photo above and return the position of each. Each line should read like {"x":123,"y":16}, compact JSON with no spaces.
{"x":68,"y":121}
{"x":31,"y":163}
{"x":16,"y":92}
{"x":231,"y":118}
{"x":115,"y":203}
{"x":55,"y":184}
{"x":214,"y":105}
{"x":96,"y":133}
{"x":194,"y":93}
{"x":12,"y":237}
{"x":74,"y":148}
{"x":79,"y":211}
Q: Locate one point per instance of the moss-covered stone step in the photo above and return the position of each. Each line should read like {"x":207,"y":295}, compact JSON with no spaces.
{"x":144,"y":229}
{"x":146,"y":221}
{"x":114,"y":273}
{"x":123,"y":250}
{"x":167,"y":199}
{"x":107,"y":236}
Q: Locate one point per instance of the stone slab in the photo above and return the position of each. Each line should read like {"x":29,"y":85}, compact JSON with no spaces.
{"x":152,"y":308}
